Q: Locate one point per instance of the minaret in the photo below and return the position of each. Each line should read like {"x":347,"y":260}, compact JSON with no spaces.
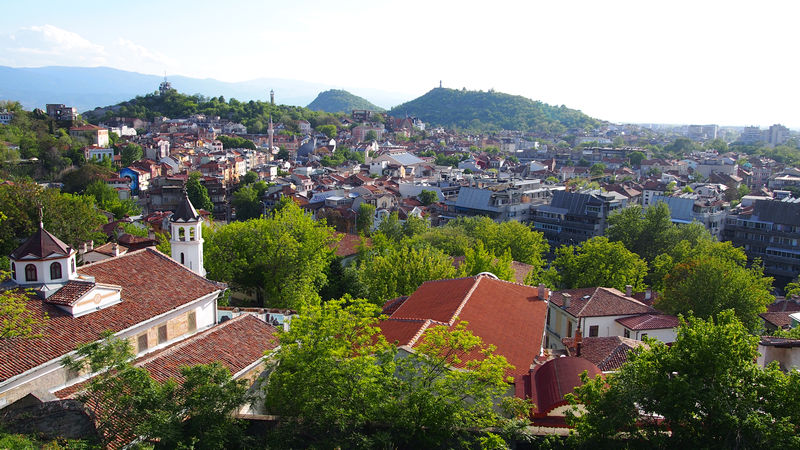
{"x":187,"y":236}
{"x":272,"y":97}
{"x":271,"y":133}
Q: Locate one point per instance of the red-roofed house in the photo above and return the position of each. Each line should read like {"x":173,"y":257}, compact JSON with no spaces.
{"x":600,"y":312}
{"x":507,"y":315}
{"x":143,"y":296}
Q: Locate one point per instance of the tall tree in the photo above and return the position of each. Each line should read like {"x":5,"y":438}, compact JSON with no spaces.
{"x":706,"y":391}
{"x":281,"y":257}
{"x":198,"y":194}
{"x":479,"y":260}
{"x":129,"y":153}
{"x":17,"y":320}
{"x":598,"y":262}
{"x":365,"y":218}
{"x":707,"y":284}
{"x":247,"y":203}
{"x":399,"y":270}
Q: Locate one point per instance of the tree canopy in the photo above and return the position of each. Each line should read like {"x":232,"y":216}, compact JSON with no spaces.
{"x":597,"y":262}
{"x":198,"y":194}
{"x":281,"y":257}
{"x":705,"y":391}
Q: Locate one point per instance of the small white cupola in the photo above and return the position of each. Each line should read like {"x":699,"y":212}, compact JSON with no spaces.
{"x":187,"y":236}
{"x":43,"y":259}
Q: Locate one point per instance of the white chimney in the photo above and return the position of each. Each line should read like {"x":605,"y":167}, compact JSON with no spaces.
{"x":567,"y":300}
{"x":91,"y":245}
{"x":115,"y":249}
{"x":648,"y":294}
{"x":628,"y":290}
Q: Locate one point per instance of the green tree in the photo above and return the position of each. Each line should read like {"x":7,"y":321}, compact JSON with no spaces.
{"x":365,"y":218}
{"x":198,"y":194}
{"x":18,"y":321}
{"x":281,"y":257}
{"x":249,"y":178}
{"x":597,"y":169}
{"x":636,"y":158}
{"x":76,"y":180}
{"x":371,"y":136}
{"x":663,"y":397}
{"x":391,"y":227}
{"x":400,"y":270}
{"x":707,"y":284}
{"x":479,"y":260}
{"x":338,"y":383}
{"x":72,"y":218}
{"x":599,"y":262}
{"x":414,"y":226}
{"x":131,"y":152}
{"x":247,"y":203}
{"x":108,"y":199}
{"x":328,"y":130}
{"x":427,"y":197}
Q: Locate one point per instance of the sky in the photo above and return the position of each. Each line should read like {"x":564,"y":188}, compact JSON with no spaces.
{"x":683,"y":62}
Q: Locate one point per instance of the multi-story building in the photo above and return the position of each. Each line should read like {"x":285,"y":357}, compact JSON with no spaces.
{"x":573,"y":217}
{"x":61,"y":112}
{"x":692,"y":207}
{"x":751,"y":135}
{"x":777,"y":135}
{"x":769,"y":231}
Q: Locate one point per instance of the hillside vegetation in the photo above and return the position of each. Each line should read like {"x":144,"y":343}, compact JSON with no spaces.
{"x":253,"y":114}
{"x":492,"y":111}
{"x":337,"y":100}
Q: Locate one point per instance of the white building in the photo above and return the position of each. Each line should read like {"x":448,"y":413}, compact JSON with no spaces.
{"x":187,"y":236}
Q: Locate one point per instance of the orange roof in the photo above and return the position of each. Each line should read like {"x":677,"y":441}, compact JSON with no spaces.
{"x":507,"y":315}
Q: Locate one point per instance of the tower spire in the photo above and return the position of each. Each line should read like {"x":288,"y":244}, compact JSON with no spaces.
{"x":41,"y":218}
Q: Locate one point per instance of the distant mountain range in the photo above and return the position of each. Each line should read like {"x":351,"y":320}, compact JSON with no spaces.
{"x":89,"y":87}
{"x":492,"y":111}
{"x":337,"y":100}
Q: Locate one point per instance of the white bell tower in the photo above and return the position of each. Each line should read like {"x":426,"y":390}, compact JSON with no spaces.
{"x":187,"y":236}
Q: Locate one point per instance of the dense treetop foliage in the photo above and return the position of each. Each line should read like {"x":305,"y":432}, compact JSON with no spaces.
{"x":492,"y":111}
{"x":338,"y":100}
{"x":253,"y":114}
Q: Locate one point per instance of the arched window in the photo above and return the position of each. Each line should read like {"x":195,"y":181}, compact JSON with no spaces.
{"x":72,"y":265}
{"x":55,"y":270}
{"x":30,"y":272}
{"x":181,"y":234}
{"x":182,"y":259}
{"x":13,"y":270}
{"x":191,"y":234}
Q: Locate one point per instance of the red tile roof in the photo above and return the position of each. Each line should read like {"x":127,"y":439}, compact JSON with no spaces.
{"x":649,"y":322}
{"x":607,"y":353}
{"x":557,"y":378}
{"x":600,"y":301}
{"x":41,"y":245}
{"x":507,"y":315}
{"x":70,"y":292}
{"x":152,"y":284}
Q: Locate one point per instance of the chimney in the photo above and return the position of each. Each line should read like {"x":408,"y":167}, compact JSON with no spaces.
{"x":151,"y":234}
{"x":628,"y":290}
{"x":578,"y":341}
{"x":648,"y":294}
{"x":84,"y":247}
{"x":91,"y":245}
{"x":115,"y":249}
{"x":567,"y":300}
{"x":544,"y":293}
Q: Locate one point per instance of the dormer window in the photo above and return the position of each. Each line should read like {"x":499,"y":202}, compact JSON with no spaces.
{"x":13,"y":271}
{"x":55,"y":271}
{"x":30,"y":273}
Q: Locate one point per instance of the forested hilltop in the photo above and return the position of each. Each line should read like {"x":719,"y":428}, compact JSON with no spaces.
{"x":173,"y":104}
{"x":338,"y":100}
{"x":492,"y":111}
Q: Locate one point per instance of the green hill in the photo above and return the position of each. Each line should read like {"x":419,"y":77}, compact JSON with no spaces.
{"x":492,"y":111}
{"x":253,"y":114}
{"x":337,"y":100}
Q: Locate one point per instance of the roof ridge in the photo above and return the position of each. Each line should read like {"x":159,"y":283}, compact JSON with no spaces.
{"x":124,"y":255}
{"x":425,"y":325}
{"x":461,"y":306}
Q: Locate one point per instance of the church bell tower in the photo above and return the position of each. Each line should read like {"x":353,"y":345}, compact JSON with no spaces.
{"x":187,"y":236}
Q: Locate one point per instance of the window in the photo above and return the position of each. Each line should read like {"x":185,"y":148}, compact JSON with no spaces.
{"x":55,"y":270}
{"x":162,"y":334}
{"x":593,"y":330}
{"x":14,"y":270}
{"x":72,"y":265}
{"x":141,"y":343}
{"x":30,"y":272}
{"x":191,"y":321}
{"x":181,"y":234}
{"x":569,"y":328}
{"x":626,"y":333}
{"x":182,"y":259}
{"x":191,"y":234}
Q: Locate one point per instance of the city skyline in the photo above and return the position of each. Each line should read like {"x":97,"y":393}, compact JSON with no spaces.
{"x":717,"y":62}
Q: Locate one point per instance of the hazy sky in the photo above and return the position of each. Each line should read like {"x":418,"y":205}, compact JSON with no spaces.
{"x":724,"y":62}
